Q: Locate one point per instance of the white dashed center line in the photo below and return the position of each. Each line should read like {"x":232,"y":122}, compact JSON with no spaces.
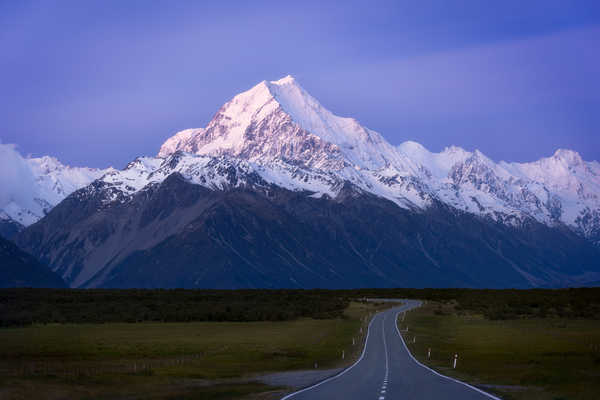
{"x":387,"y":370}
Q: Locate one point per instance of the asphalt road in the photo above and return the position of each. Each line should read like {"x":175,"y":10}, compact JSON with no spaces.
{"x":387,"y":371}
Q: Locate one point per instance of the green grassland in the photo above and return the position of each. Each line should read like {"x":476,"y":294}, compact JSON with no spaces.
{"x":210,"y":344}
{"x":163,"y":360}
{"x":522,"y":358}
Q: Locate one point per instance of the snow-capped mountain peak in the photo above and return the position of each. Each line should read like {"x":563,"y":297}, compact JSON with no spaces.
{"x":279,"y":119}
{"x":294,"y":141}
{"x":178,"y":141}
{"x":569,"y":157}
{"x":312,"y":116}
{"x":286,"y":80}
{"x":278,"y":134}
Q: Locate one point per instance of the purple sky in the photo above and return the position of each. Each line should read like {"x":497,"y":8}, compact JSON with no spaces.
{"x":99,"y":83}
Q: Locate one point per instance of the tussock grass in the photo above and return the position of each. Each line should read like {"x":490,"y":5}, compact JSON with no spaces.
{"x":169,"y":360}
{"x":532,"y":358}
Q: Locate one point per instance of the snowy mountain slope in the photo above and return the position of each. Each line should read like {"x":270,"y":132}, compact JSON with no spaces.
{"x":32,"y":186}
{"x":179,"y":141}
{"x":276,"y":191}
{"x":290,"y":139}
{"x":215,"y":173}
{"x":280,"y":120}
{"x":181,"y":232}
{"x":282,"y":134}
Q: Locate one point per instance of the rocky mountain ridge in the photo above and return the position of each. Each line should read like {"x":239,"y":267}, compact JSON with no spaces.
{"x":284,"y":135}
{"x":283,"y":131}
{"x":276,"y":191}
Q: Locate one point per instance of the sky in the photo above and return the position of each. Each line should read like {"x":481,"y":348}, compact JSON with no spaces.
{"x":98,"y":83}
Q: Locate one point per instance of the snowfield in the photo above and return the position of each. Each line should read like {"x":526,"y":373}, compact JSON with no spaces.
{"x":278,"y":134}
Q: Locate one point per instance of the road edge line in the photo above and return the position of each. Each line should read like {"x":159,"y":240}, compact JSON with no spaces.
{"x":339,"y":373}
{"x":491,"y":396}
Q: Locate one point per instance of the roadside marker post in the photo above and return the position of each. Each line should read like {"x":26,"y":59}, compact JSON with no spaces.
{"x":455,"y":358}
{"x":429,"y":353}
{"x":414,"y":339}
{"x":343,"y":354}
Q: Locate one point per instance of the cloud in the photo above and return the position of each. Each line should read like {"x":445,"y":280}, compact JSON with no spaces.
{"x":17,"y":181}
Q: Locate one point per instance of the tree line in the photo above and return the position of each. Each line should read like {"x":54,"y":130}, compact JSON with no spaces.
{"x":30,"y":306}
{"x":499,"y":304}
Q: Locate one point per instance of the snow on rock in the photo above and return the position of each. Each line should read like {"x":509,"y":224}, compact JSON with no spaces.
{"x":291,"y":140}
{"x":32,"y":186}
{"x":179,"y":141}
{"x":277,"y":134}
{"x":280,"y":120}
{"x":569,"y":185}
{"x":215,"y":173}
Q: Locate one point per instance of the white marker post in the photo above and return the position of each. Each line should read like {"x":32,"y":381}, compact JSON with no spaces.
{"x":353,"y":342}
{"x":343,"y":354}
{"x":455,"y":358}
{"x":414,"y":339}
{"x":429,"y":353}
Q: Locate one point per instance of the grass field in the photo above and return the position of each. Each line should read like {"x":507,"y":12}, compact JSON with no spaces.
{"x":194,"y":360}
{"x":534,"y":359}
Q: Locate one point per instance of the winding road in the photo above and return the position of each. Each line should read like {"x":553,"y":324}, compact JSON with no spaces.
{"x":387,"y":371}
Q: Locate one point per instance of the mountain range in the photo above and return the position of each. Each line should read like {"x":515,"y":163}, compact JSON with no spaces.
{"x":31,"y":187}
{"x":277,"y":191}
{"x":19,"y":269}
